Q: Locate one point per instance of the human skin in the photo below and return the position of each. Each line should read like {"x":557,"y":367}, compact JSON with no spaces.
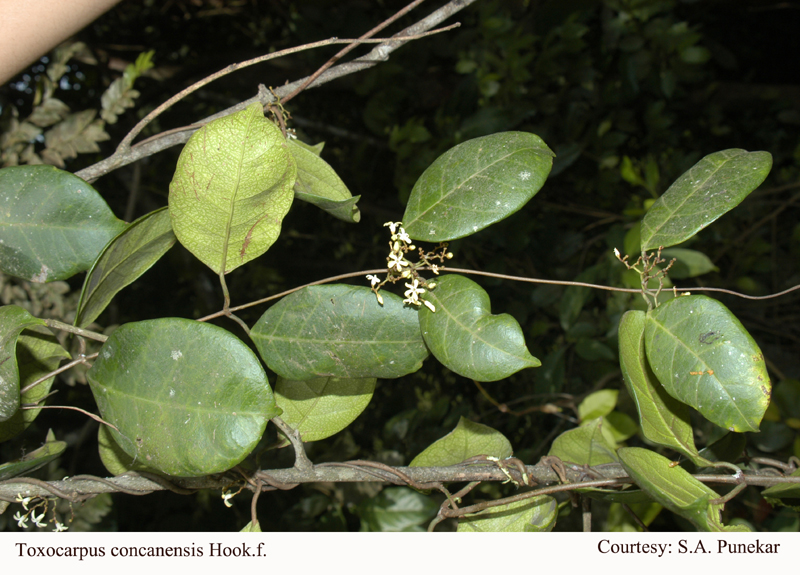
{"x":30,"y":28}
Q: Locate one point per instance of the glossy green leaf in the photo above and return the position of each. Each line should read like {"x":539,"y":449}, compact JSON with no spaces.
{"x":13,"y":319}
{"x":585,"y":445}
{"x":38,"y":353}
{"x":534,"y":515}
{"x":122,"y":261}
{"x":704,"y":357}
{"x":712,"y":187}
{"x":664,"y":420}
{"x":673,"y":487}
{"x":688,"y":263}
{"x":397,"y":509}
{"x":598,"y":404}
{"x":467,"y":440}
{"x":231,"y":189}
{"x":188,"y":398}
{"x":475,"y":184}
{"x":318,"y":184}
{"x":33,"y":460}
{"x":52,"y":223}
{"x":321,"y":407}
{"x":114,"y":458}
{"x":466,"y":338}
{"x":340,"y":331}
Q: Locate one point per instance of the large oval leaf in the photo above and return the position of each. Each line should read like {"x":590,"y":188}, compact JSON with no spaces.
{"x":705,"y":358}
{"x":52,"y":224}
{"x":664,"y":420}
{"x":319,"y":184}
{"x":188,"y":398}
{"x":712,"y":187}
{"x":38,"y":353}
{"x":321,"y":407}
{"x":231,"y":189}
{"x":340,"y":331}
{"x":476,"y":184}
{"x":466,"y":338}
{"x":467,"y":440}
{"x":123,"y":260}
{"x":13,"y":319}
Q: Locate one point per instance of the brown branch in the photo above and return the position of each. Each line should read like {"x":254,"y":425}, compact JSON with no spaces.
{"x":81,"y":487}
{"x":171,"y":138}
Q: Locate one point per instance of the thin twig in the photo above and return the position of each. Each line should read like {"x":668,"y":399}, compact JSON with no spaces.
{"x":83,"y":411}
{"x":351,"y":47}
{"x":176,"y":137}
{"x":55,"y":372}
{"x":55,"y":324}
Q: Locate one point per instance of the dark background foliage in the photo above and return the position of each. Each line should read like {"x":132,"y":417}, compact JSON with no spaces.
{"x":628,"y":93}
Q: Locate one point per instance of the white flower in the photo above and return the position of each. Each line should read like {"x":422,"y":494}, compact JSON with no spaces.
{"x":38,"y":520}
{"x":413,"y":292}
{"x":373,"y":280}
{"x":226,"y":497}
{"x":393,"y":225}
{"x":21,"y":520}
{"x":60,"y":527}
{"x":429,"y":305}
{"x":403,"y":236}
{"x":23,"y":500}
{"x":435,"y":269}
{"x":397,"y":262}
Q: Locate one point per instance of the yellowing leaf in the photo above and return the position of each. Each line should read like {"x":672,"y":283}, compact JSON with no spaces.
{"x":231,"y":189}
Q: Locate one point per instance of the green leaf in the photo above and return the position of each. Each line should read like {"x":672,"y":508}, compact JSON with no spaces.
{"x":673,"y":487}
{"x":38,"y":353}
{"x":188,"y":398}
{"x":231,"y":189}
{"x":466,"y":338}
{"x":122,"y":261}
{"x":704,"y":357}
{"x":340,"y":331}
{"x":52,"y":224}
{"x":467,"y":440}
{"x":397,"y":509}
{"x":598,"y":404}
{"x":534,"y":515}
{"x":688,"y":263}
{"x":114,"y":458}
{"x":712,"y":187}
{"x":664,"y":420}
{"x":318,"y":184}
{"x":586,"y":445}
{"x":620,"y":425}
{"x":475,"y":184}
{"x":13,"y":319}
{"x":321,"y":407}
{"x":33,"y":460}
{"x":251,"y":527}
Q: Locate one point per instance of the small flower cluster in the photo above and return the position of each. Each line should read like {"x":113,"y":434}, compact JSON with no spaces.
{"x":401,"y":268}
{"x":30,"y":513}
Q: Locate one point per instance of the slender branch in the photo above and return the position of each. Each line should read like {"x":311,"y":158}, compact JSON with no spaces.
{"x":492,"y":275}
{"x":125,"y":144}
{"x":55,"y":324}
{"x":78,"y":409}
{"x":78,"y":488}
{"x":61,"y":369}
{"x":171,"y":138}
{"x":351,"y":47}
